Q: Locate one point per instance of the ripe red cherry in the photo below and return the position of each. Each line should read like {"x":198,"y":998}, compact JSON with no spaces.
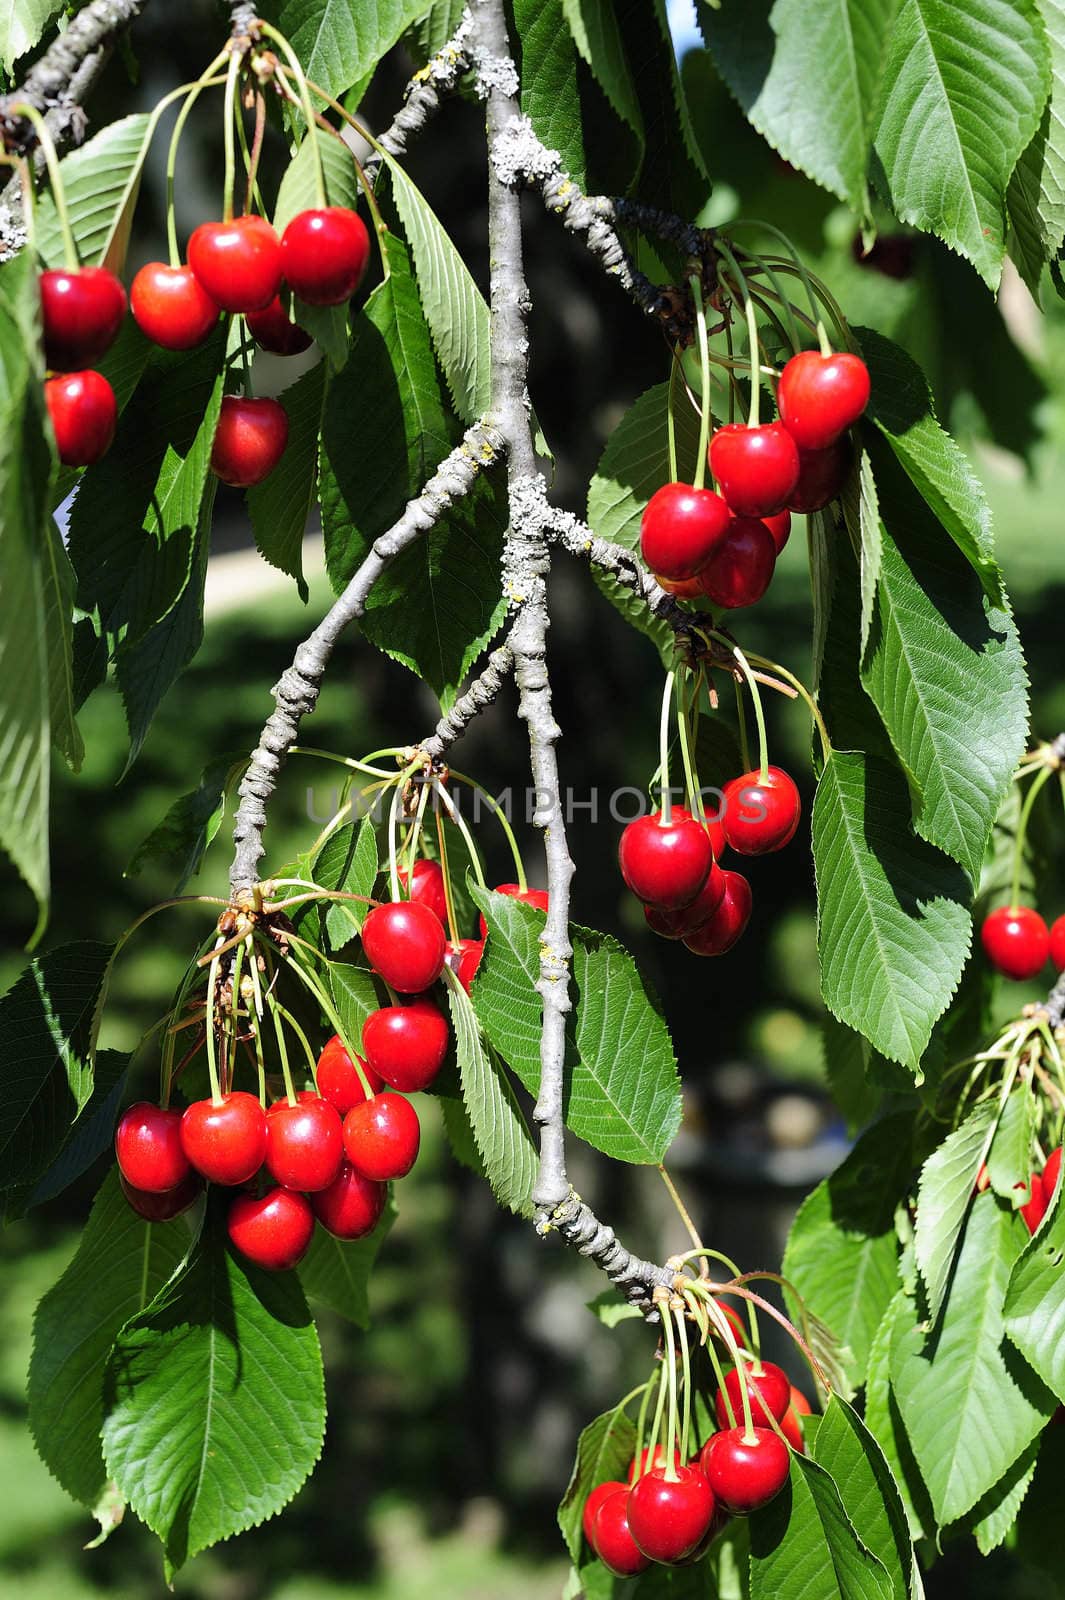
{"x":404,"y":944}
{"x":757,"y":468}
{"x":351,"y":1206}
{"x":406,"y":1045}
{"x":791,"y":1428}
{"x":427,"y":888}
{"x":1016,"y":941}
{"x":720,"y":931}
{"x":338,"y":1079}
{"x":303,"y":1143}
{"x":745,"y":1470}
{"x":273,"y":1230}
{"x":530,"y":897}
{"x":665,"y":864}
{"x":611,"y":1539}
{"x":381,"y":1137}
{"x":1050,"y":1173}
{"x":171,"y":307}
{"x":324,"y":255}
{"x":273,"y":329}
{"x":822,"y":474}
{"x":780,"y":528}
{"x":770,"y":1394}
{"x":820,"y":396}
{"x":1035,"y":1208}
{"x":249,"y":441}
{"x":169,"y":1204}
{"x":148,"y":1148}
{"x":1057,"y":944}
{"x":669,"y":1519}
{"x":761,"y":814}
{"x":81,"y":313}
{"x":594,"y":1501}
{"x":741,"y":569}
{"x":225,"y":1140}
{"x":680,"y":529}
{"x":237,"y":262}
{"x":678,"y":924}
{"x":464,"y":959}
{"x":84,"y":412}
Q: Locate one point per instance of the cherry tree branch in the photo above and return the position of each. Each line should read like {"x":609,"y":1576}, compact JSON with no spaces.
{"x":624,"y":566}
{"x":423,"y":95}
{"x":476,"y":698}
{"x":61,"y":79}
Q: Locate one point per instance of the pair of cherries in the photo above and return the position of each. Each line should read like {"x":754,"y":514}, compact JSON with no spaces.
{"x":696,"y":545}
{"x":1017,"y":942}
{"x":81,"y":313}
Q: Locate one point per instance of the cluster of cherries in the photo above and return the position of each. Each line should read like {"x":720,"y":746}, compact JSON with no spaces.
{"x":1017,"y":942}
{"x":670,"y":860}
{"x":669,"y":1512}
{"x":724,"y":545}
{"x":237,"y":266}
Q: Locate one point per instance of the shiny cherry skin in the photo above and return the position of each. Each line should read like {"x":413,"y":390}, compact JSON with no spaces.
{"x":81,"y":313}
{"x":756,"y":468}
{"x":761,"y":814}
{"x":681,"y":528}
{"x":273,"y":329}
{"x":779,"y":527}
{"x":225,"y":1140}
{"x":1016,"y":941}
{"x":1035,"y":1207}
{"x":351,"y":1206}
{"x":669,"y":1519}
{"x":594,"y":1501}
{"x":1057,"y":944}
{"x":406,"y":1045}
{"x":678,"y":924}
{"x":720,"y":931}
{"x":464,"y":959}
{"x":1049,"y":1174}
{"x":664,"y":863}
{"x":148,"y":1148}
{"x":171,"y":307}
{"x":741,"y":569}
{"x":611,"y":1539}
{"x":237,"y":262}
{"x":791,"y":1428}
{"x":820,"y":396}
{"x":249,"y":441}
{"x":404,"y":944}
{"x":822,"y":474}
{"x":273,"y":1230}
{"x":324,"y":255}
{"x":303,"y":1144}
{"x":338,"y":1078}
{"x":163,"y":1207}
{"x":745,"y":1470}
{"x":769,"y":1390}
{"x":537,"y":898}
{"x":84,"y":415}
{"x":382,"y":1136}
{"x":427,"y":888}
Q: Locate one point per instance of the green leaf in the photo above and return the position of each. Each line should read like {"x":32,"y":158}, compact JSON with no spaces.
{"x":610,"y":1309}
{"x":604,"y":1450}
{"x":57,"y":585}
{"x":594,"y":27}
{"x":280,"y":507}
{"x":997,"y":1511}
{"x":336,"y":1272}
{"x":215,"y":1401}
{"x":862,"y":514}
{"x":1010,"y":1159}
{"x":963,"y":92}
{"x":893,"y":929}
{"x":885,"y":1424}
{"x":804,"y":1545}
{"x":91,"y":1134}
{"x":1035,"y":1302}
{"x":851,"y":1456}
{"x":948,"y":1385}
{"x":428,"y":36}
{"x":354,"y":996}
{"x":672,"y":170}
{"x":499,"y":1127}
{"x":46,"y":1021}
{"x":549,"y":93}
{"x":346,"y":863}
{"x":120,"y":1264}
{"x":340,"y":44}
{"x":1036,"y":194}
{"x":22,"y":23}
{"x":100,"y":181}
{"x":948,"y":1179}
{"x":179,"y":841}
{"x":847,"y":1061}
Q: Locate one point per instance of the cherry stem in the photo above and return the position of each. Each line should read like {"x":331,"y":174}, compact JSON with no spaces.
{"x":252,"y":191}
{"x":229,"y":114}
{"x":691,"y":777}
{"x":364,"y":182}
{"x":393,"y":818}
{"x":500,"y":814}
{"x":704,"y":375}
{"x":449,"y":901}
{"x":671,"y":420}
{"x":410,"y":845}
{"x":212,"y":1064}
{"x":826,"y":298}
{"x":674,"y":1195}
{"x":756,"y":698}
{"x":685,"y":1356}
{"x":55,"y":180}
{"x":741,"y":717}
{"x":653,"y":1437}
{"x":663,"y":750}
{"x":309,"y":114}
{"x":672,"y":1422}
{"x":801,"y":689}
{"x":310,"y":982}
{"x":282,"y":1050}
{"x":800,"y":267}
{"x":641,"y":1426}
{"x":191,"y":974}
{"x":284,"y":1012}
{"x":737,"y":1287}
{"x":1022,"y":833}
{"x":752,"y":334}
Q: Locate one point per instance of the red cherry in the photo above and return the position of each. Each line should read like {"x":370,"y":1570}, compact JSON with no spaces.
{"x":324,"y":255}
{"x":273,"y":329}
{"x":651,"y":1456}
{"x":81,"y":313}
{"x":249,"y":441}
{"x":169,"y":1204}
{"x":427,"y":888}
{"x":681,"y":588}
{"x":351,"y":1206}
{"x":761,"y":814}
{"x":171,"y":307}
{"x":745,"y":1470}
{"x":464,"y":959}
{"x":404,"y":943}
{"x":530,"y":897}
{"x":665,"y":864}
{"x":735,"y":1321}
{"x":237,"y":262}
{"x":678,"y":924}
{"x":1034,"y":1209}
{"x":791,"y":1428}
{"x":779,"y":527}
{"x":668,"y":1519}
{"x":84,"y":413}
{"x":680,"y":529}
{"x":381,"y":1137}
{"x":741,"y":569}
{"x":820,"y":396}
{"x":757,"y":468}
{"x":338,"y":1079}
{"x":303,"y":1143}
{"x":594,"y":1501}
{"x":770,"y":1394}
{"x":612,"y":1540}
{"x":1050,"y":1174}
{"x":822,"y":474}
{"x":225,"y":1139}
{"x":148,"y":1148}
{"x":721,"y":931}
{"x":1057,"y":944}
{"x":1016,"y":941}
{"x":406,"y":1045}
{"x":273,"y":1230}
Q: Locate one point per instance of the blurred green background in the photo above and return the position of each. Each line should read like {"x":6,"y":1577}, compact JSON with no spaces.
{"x":452,"y":1422}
